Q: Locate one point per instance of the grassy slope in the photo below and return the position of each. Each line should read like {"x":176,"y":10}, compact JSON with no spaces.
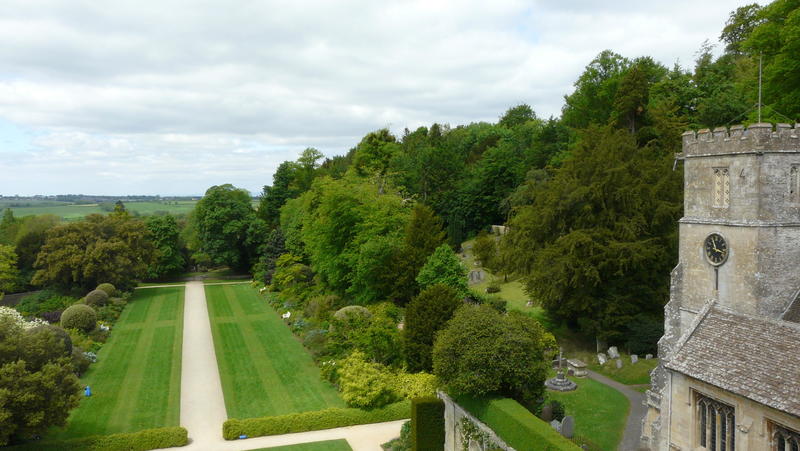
{"x":600,"y":412}
{"x":330,"y":445}
{"x":136,"y":380}
{"x":264,"y":369}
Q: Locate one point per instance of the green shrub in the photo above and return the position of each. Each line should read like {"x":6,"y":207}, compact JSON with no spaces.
{"x":135,"y":441}
{"x":109,"y":289}
{"x":43,"y":301}
{"x":313,"y":421}
{"x":97,"y":298}
{"x":79,"y":361}
{"x":79,"y":316}
{"x":427,"y":424}
{"x":415,"y":385}
{"x":518,"y":427}
{"x":365,"y":384}
{"x":493,"y":287}
{"x":498,"y":304}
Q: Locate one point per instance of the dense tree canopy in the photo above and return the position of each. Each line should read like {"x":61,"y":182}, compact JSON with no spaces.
{"x":596,"y":245}
{"x":228,"y":230}
{"x":165,"y":235}
{"x":114,"y":248}
{"x":426,"y":314}
{"x":38,"y":387}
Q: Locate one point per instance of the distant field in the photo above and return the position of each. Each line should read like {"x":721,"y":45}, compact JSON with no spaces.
{"x":263,"y":368}
{"x":73,"y":212}
{"x":136,"y":380}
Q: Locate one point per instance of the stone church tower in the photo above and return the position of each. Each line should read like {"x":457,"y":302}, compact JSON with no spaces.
{"x":729,"y":376}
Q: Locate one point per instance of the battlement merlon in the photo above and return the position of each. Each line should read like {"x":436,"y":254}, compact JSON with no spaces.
{"x":757,"y":138}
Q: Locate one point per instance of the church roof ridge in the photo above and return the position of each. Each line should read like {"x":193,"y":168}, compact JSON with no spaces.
{"x":752,"y":356}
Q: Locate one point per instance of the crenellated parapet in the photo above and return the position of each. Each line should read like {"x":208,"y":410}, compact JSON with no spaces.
{"x":761,"y":137}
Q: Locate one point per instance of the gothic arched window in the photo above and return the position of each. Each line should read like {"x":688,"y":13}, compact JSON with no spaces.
{"x":783,"y":438}
{"x":716,"y":424}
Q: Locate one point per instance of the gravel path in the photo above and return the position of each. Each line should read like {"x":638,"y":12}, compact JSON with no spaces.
{"x":203,"y":404}
{"x":633,"y":427}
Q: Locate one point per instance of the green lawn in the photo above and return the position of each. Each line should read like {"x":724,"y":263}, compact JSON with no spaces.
{"x":136,"y":380}
{"x":264,"y":369}
{"x":600,"y":412}
{"x":330,"y":445}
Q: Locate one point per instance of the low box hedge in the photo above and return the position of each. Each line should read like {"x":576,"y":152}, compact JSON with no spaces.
{"x":134,"y":441}
{"x":518,"y":427}
{"x":313,"y":421}
{"x":427,"y":424}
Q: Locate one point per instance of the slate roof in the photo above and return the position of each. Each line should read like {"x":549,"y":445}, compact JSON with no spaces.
{"x":757,"y":358}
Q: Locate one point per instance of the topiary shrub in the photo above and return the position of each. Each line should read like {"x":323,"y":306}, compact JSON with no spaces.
{"x":109,"y":289}
{"x":97,"y":298}
{"x":79,"y":316}
{"x":345,"y":313}
{"x":427,"y":424}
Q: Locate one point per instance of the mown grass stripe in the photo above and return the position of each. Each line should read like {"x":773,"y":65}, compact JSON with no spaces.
{"x":288,"y":381}
{"x":240,"y":372}
{"x":136,"y":381}
{"x":123,"y":414}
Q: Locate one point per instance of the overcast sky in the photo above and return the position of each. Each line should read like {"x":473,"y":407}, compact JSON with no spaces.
{"x":171,"y":97}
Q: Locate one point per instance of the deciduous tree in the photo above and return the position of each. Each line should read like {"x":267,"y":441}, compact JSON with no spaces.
{"x":481,"y":352}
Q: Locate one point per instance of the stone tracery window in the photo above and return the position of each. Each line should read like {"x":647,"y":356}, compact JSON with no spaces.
{"x":722,"y":188}
{"x":783,"y":438}
{"x":716,"y":424}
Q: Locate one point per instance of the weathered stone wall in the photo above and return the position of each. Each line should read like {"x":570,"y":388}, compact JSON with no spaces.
{"x":752,"y":419}
{"x":453,"y":413}
{"x":761,"y":224}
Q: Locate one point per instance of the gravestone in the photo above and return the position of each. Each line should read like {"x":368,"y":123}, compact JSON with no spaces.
{"x":613,"y":353}
{"x":619,"y":363}
{"x":602,"y":359}
{"x":556,"y":425}
{"x":648,"y":356}
{"x":547,"y":413}
{"x":568,"y":427}
{"x":634,"y":358}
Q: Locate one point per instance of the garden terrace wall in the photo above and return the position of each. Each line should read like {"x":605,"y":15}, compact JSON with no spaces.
{"x":511,"y":426}
{"x":313,"y":421}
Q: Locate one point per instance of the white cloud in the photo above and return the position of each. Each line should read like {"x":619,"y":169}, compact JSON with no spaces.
{"x":171,"y":97}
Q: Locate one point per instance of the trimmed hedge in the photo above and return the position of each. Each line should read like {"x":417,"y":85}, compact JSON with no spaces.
{"x":97,"y":298}
{"x":79,"y":316}
{"x":109,"y":289}
{"x":427,"y":424}
{"x":313,"y":421}
{"x":519,"y":428}
{"x":135,"y":441}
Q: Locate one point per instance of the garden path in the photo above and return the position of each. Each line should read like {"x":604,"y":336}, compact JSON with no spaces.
{"x":633,"y":427}
{"x":203,"y":404}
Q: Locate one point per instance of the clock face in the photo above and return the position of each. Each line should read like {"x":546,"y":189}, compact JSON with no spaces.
{"x":716,"y":249}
